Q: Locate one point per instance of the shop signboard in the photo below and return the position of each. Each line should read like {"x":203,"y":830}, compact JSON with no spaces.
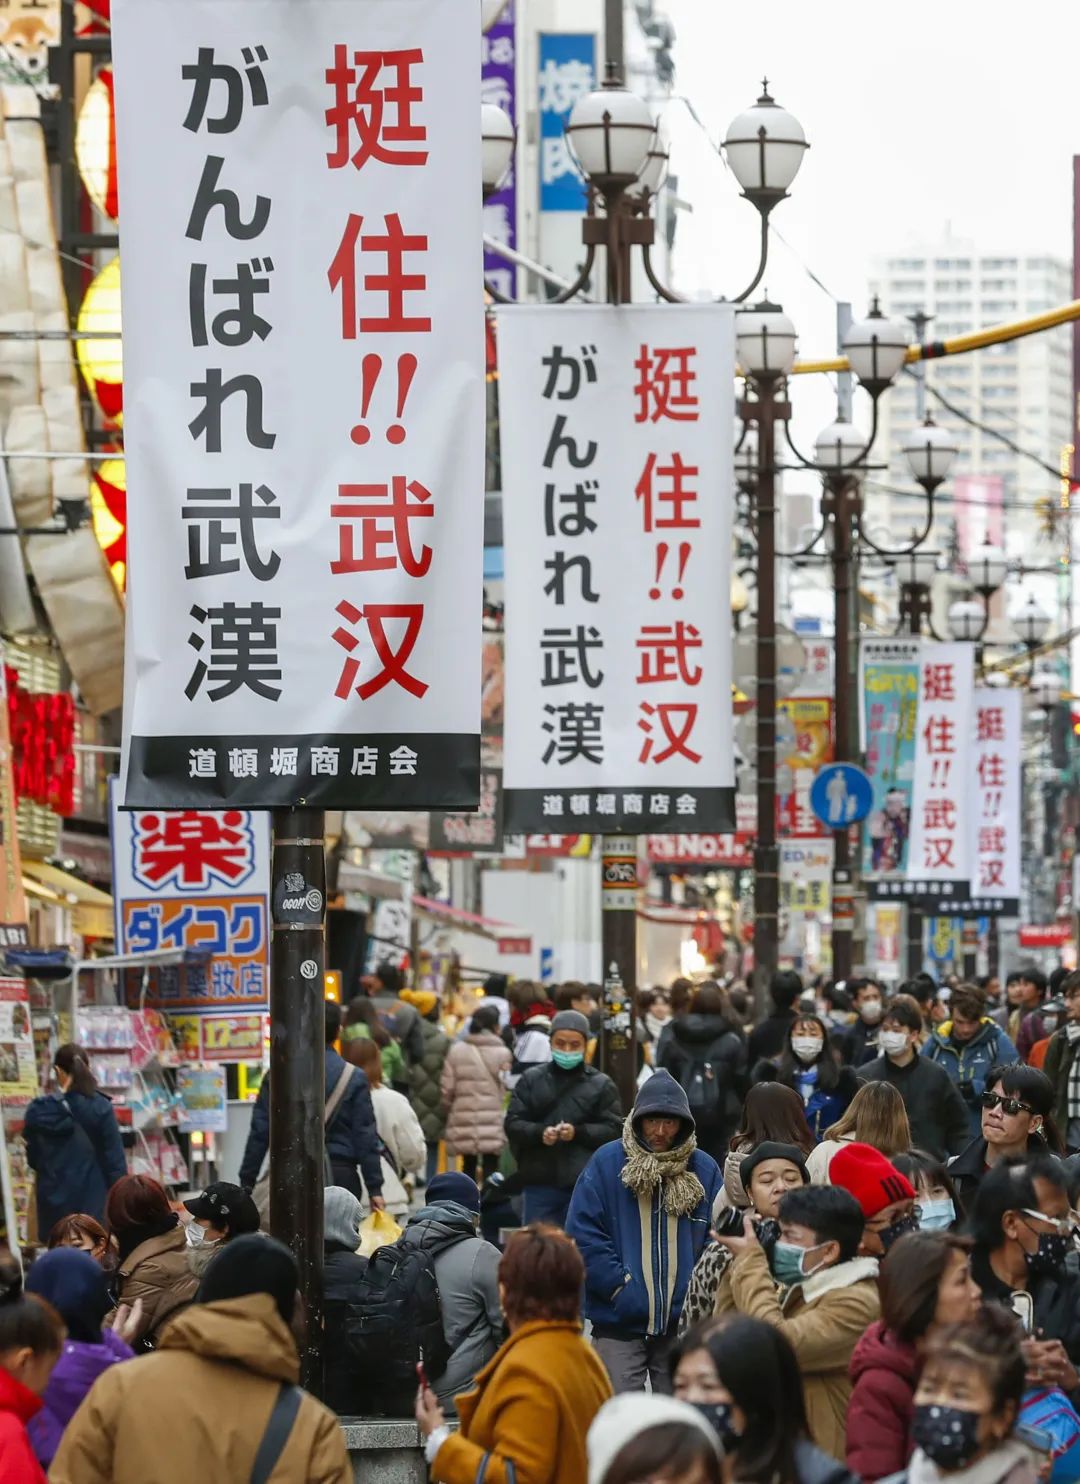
{"x":12,"y":897}
{"x":617,"y":469}
{"x":196,"y":879}
{"x":498,"y":49}
{"x":304,"y":402}
{"x":567,"y":74}
{"x":18,"y":1062}
{"x":889,"y":685}
{"x":730,"y":852}
{"x":203,"y":1095}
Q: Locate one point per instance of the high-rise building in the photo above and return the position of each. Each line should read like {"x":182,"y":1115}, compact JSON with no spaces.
{"x":1021,"y":389}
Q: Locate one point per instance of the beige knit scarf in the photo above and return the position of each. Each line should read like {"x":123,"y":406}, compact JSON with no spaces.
{"x":644,"y":1170}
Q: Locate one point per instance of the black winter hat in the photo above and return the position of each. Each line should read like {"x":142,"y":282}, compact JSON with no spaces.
{"x":248,"y":1265}
{"x":771,"y":1149}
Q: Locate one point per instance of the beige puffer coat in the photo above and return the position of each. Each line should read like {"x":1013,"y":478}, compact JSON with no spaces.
{"x":474,"y":1094}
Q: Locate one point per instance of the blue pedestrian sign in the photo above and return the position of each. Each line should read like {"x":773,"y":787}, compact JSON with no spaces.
{"x":840,"y":795}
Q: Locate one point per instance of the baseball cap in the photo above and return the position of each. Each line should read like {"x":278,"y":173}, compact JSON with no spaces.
{"x":227,"y":1207}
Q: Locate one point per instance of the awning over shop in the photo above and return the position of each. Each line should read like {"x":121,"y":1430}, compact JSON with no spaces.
{"x":468,"y":922}
{"x":91,"y":909}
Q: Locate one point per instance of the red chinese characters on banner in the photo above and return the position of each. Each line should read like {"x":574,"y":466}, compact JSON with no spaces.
{"x":997,"y":794}
{"x":666,"y":493}
{"x":376,"y":113}
{"x":942,"y":840}
{"x":42,"y":729}
{"x":938,"y":735}
{"x":192,"y":849}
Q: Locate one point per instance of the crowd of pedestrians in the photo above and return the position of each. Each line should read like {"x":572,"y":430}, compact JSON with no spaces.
{"x":840,"y":1244}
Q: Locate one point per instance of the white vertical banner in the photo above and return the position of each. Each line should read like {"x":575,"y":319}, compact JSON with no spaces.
{"x":941,"y":834}
{"x":304,"y":401}
{"x":997,"y":821}
{"x":616,"y":428}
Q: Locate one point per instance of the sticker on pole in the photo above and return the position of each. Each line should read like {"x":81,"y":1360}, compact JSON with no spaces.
{"x":841,"y":794}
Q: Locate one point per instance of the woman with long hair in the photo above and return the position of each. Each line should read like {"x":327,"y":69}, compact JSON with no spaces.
{"x":742,"y":1375}
{"x":876,"y":1115}
{"x":152,"y":1250}
{"x":73,"y":1143}
{"x":772,"y":1114}
{"x":925,"y":1284}
{"x":535,"y":1400}
{"x":808,"y":1064}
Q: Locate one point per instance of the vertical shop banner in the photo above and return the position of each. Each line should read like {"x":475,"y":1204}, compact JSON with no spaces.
{"x":998,"y":723}
{"x":979,"y":503}
{"x":804,"y":745}
{"x":498,"y":48}
{"x":303,"y":401}
{"x":12,"y":897}
{"x":197,"y":879}
{"x":567,"y":73}
{"x":617,"y":459}
{"x":889,"y":683}
{"x":941,"y":817}
{"x":481,"y":832}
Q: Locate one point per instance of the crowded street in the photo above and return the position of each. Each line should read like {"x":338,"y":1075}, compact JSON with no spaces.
{"x":428,"y":425}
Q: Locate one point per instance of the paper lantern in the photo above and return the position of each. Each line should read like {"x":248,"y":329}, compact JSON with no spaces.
{"x":101,"y":361}
{"x":95,"y":144}
{"x":108,"y":506}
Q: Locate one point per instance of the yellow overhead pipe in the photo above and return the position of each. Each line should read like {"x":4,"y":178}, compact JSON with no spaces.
{"x":976,"y":340}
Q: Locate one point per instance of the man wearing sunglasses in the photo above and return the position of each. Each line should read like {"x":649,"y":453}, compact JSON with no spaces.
{"x":1022,"y":1226}
{"x":1016,"y":1120}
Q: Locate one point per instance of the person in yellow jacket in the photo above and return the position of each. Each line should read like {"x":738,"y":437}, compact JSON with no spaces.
{"x":535,"y":1400}
{"x":198,"y":1407}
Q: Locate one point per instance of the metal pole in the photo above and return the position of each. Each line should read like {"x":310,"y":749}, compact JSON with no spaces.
{"x":844,"y":495}
{"x":613,"y":35}
{"x":915,"y":936}
{"x":766,"y":411}
{"x":297,"y":1076}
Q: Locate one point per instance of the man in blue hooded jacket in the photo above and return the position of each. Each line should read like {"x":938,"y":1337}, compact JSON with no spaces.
{"x":640,"y":1214}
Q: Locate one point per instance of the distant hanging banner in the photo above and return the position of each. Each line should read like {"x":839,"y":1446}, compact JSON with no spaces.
{"x":941,"y":821}
{"x":303,"y":401}
{"x":998,"y":722}
{"x":616,"y":429}
{"x":889,"y":683}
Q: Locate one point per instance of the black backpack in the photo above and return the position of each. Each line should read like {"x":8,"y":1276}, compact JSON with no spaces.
{"x":708,"y":1084}
{"x":394,"y":1321}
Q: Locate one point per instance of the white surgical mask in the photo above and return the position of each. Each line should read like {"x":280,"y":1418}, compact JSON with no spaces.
{"x":936,"y":1216}
{"x":871,"y":1011}
{"x":893,"y":1043}
{"x":195,"y":1234}
{"x":806,"y":1048}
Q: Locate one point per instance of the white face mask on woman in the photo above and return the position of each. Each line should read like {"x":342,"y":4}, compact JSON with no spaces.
{"x":806,"y":1048}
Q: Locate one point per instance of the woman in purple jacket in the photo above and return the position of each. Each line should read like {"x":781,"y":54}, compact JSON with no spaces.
{"x":73,"y":1283}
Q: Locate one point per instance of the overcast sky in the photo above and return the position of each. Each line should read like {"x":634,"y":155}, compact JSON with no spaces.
{"x":918,"y":115}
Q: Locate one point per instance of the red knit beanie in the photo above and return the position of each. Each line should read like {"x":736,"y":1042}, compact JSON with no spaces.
{"x":871,"y":1179}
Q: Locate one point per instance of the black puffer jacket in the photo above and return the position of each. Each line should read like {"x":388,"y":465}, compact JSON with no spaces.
{"x":547,"y":1095}
{"x":425,"y":1082}
{"x":706,"y":1044}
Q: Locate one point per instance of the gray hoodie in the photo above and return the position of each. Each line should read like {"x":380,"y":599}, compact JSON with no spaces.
{"x":466,"y":1270}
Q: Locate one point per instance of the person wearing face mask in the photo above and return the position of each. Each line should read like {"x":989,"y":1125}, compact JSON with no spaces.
{"x":925,"y":1284}
{"x":966,"y":1407}
{"x":560,"y":1113}
{"x":653,"y":1014}
{"x":743,"y":1377}
{"x":886,"y":1198}
{"x":1016,"y":1120}
{"x":809,"y":1066}
{"x":935,"y":1194}
{"x":218,"y":1214}
{"x":969,"y":1046}
{"x":827,"y":1298}
{"x":859,"y":1044}
{"x":1022,"y":1226}
{"x":935,"y":1109}
{"x":31,"y":1341}
{"x":1062,"y":1064}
